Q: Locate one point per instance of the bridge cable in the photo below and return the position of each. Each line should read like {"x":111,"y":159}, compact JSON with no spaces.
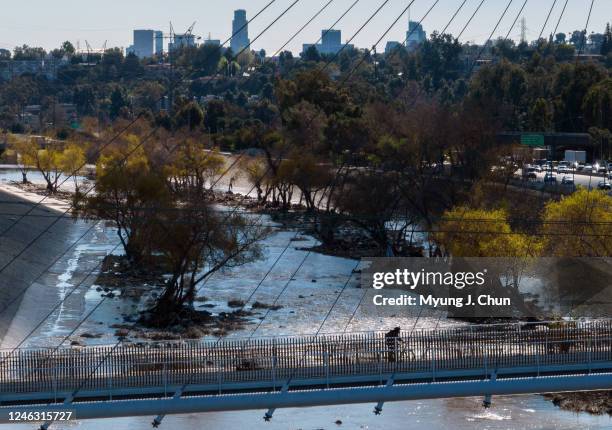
{"x":471,"y":18}
{"x":560,"y":18}
{"x":516,"y":19}
{"x":484,"y":46}
{"x":454,"y":16}
{"x":547,"y":18}
{"x":586,"y":29}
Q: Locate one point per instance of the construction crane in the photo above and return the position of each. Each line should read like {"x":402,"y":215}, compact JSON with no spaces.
{"x":176,"y":40}
{"x":88,"y":51}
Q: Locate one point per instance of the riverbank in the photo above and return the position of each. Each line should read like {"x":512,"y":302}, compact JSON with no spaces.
{"x":594,"y":403}
{"x":32,"y":238}
{"x":35,"y":193}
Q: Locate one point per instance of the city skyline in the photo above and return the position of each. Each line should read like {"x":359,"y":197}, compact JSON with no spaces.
{"x":70,"y":24}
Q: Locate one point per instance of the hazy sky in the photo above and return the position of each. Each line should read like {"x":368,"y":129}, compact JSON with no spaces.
{"x":49,"y":22}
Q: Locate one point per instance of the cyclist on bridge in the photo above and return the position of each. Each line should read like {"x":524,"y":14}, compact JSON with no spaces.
{"x":392,"y":338}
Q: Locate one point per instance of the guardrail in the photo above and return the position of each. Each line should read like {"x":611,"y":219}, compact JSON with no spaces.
{"x":275,"y":360}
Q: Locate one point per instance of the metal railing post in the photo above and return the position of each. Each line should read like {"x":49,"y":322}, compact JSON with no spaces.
{"x":110,"y":387}
{"x":165,"y":379}
{"x":55,"y":382}
{"x":326,"y":364}
{"x":433,"y":366}
{"x":274,"y":364}
{"x":590,"y":355}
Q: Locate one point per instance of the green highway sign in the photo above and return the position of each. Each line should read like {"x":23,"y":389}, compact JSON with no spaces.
{"x":534,"y":140}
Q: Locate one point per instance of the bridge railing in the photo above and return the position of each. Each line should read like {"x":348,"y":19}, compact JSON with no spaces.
{"x":275,"y":360}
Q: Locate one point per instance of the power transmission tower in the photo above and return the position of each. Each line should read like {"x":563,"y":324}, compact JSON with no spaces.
{"x":524,"y":30}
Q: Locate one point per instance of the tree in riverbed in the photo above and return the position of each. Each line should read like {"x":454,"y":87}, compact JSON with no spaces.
{"x":469,"y":232}
{"x":24,"y":150}
{"x":72,"y":161}
{"x":129,"y":191}
{"x":165,"y":217}
{"x":48,"y":161}
{"x":200,"y":241}
{"x":195,"y":238}
{"x":579,"y":225}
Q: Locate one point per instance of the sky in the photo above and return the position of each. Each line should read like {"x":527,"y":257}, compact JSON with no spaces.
{"x":48,"y":23}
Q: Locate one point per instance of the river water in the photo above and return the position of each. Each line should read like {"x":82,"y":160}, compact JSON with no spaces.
{"x":305,"y":305}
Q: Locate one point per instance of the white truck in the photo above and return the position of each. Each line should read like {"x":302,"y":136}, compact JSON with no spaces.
{"x":575,"y":157}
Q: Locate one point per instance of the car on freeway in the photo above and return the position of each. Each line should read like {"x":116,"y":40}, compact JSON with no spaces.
{"x":600,"y":168}
{"x":605,"y":185}
{"x":580,"y":167}
{"x":530,"y":173}
{"x":563,"y":169}
{"x":550,"y":178}
{"x":587,"y":168}
{"x":538,"y":168}
{"x":567,"y":180}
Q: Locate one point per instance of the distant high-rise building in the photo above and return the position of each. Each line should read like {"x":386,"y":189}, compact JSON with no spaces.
{"x":392,"y":46}
{"x":212,"y":42}
{"x":182,"y":41}
{"x":415,"y":35}
{"x":240,"y":31}
{"x":143,"y":43}
{"x":331,"y":42}
{"x":331,"y":38}
{"x":159,"y":43}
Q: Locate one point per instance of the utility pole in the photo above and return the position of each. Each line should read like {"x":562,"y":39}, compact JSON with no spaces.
{"x":524,"y":30}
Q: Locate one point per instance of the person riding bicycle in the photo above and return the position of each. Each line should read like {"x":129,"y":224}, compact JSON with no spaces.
{"x":391,"y":340}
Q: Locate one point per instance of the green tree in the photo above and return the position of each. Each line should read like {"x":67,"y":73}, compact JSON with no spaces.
{"x":440,"y":58}
{"x":25,"y":151}
{"x":540,"y":116}
{"x":190,"y":115}
{"x":48,"y":162}
{"x":71,"y":162}
{"x":579,"y":225}
{"x":311,"y":54}
{"x":597,"y":105}
{"x":468,"y":232}
{"x":118,"y":102}
{"x":28,"y":53}
{"x":129,"y":191}
{"x":206,"y":59}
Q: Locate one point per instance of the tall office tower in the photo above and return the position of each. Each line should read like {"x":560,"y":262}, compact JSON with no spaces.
{"x":240,"y":31}
{"x":331,"y":38}
{"x":415,"y":35}
{"x":331,"y":43}
{"x":159,"y":43}
{"x":143,"y":43}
